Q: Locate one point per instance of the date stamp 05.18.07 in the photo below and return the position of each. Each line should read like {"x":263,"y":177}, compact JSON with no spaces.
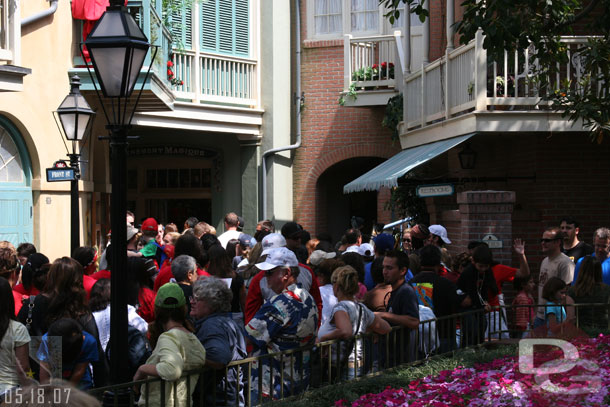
{"x":38,"y":395}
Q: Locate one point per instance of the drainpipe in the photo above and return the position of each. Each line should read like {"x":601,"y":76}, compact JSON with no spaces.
{"x":299,"y":97}
{"x":40,"y":15}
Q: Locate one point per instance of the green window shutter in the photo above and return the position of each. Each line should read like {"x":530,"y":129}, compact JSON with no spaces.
{"x":242,"y":28}
{"x":225,"y":27}
{"x":208,"y":25}
{"x":182,"y":27}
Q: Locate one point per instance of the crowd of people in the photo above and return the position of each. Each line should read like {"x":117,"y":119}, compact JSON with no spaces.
{"x":200,"y":299}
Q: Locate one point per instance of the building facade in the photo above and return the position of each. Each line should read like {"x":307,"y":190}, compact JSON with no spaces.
{"x":216,"y":98}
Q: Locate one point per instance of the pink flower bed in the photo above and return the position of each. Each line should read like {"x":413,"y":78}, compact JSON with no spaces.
{"x":500,"y":383}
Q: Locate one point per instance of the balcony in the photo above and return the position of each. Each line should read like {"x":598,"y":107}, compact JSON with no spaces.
{"x":373,"y":72}
{"x":212,"y":92}
{"x":156,"y":94}
{"x":210,"y":78}
{"x":465,"y":92}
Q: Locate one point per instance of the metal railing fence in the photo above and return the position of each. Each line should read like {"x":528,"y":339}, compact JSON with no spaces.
{"x":263,"y":378}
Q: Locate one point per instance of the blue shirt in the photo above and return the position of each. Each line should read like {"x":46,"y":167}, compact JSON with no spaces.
{"x":50,"y":352}
{"x":605,"y":270}
{"x":287,"y":321}
{"x":224,"y":342}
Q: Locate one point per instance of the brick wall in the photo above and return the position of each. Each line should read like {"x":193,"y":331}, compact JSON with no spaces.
{"x":561,"y":174}
{"x":332,"y":133}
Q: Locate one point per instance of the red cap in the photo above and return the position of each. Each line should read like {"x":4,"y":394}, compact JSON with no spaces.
{"x":150,"y":225}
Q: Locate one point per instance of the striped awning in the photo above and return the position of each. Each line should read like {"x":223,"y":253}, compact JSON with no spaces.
{"x":387,"y":173}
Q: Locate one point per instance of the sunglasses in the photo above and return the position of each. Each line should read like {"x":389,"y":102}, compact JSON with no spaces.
{"x":406,"y":240}
{"x":549,"y":240}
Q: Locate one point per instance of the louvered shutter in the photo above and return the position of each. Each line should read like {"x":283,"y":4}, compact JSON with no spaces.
{"x":242,"y":28}
{"x":225,"y":27}
{"x":181,"y":27}
{"x":208,"y":25}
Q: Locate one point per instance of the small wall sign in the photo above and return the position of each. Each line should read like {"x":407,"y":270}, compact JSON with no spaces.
{"x":492,"y":241}
{"x":426,"y":191}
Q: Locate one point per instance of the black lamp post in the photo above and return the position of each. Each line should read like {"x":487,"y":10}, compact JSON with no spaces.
{"x":75,"y":116}
{"x":118,"y":47}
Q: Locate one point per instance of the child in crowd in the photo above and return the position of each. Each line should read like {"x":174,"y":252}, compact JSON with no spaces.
{"x":523,"y":304}
{"x":67,"y":347}
{"x":554,"y":292}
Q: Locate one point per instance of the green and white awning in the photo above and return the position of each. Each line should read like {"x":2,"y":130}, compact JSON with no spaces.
{"x":387,"y":173}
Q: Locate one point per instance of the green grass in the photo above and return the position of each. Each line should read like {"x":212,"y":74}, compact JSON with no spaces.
{"x":396,"y":378}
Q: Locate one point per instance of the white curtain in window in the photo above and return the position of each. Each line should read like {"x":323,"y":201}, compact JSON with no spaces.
{"x":365,"y":15}
{"x":327,"y":16}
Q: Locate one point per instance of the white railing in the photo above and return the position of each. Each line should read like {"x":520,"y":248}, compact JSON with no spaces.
{"x":464,"y":80}
{"x":215,"y":78}
{"x":370,"y":62}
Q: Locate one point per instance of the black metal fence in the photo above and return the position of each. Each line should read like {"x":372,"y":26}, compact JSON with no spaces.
{"x":261,"y":379}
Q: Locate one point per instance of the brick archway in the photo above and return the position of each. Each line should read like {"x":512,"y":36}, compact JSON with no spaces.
{"x":305,"y":194}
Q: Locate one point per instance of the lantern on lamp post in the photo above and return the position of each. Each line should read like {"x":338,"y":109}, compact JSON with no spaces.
{"x":74,"y":118}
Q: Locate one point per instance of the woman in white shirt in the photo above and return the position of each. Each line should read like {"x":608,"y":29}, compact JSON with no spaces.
{"x":14,"y":343}
{"x":349,"y":318}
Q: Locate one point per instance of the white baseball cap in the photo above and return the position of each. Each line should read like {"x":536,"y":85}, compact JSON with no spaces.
{"x":439,"y":231}
{"x":278,"y":257}
{"x":318,"y":256}
{"x":351,"y":249}
{"x":272,"y":241}
{"x":366,"y":250}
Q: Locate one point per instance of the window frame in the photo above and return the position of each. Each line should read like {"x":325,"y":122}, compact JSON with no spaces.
{"x":383,"y":27}
{"x":11,"y":53}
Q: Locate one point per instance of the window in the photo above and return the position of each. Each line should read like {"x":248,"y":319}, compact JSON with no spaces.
{"x":225,"y":27}
{"x":334,"y":18}
{"x":328,"y":16}
{"x":365,"y":15}
{"x":11,"y":168}
{"x":10,"y":31}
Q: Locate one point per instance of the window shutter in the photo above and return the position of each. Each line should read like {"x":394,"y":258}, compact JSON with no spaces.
{"x":225,"y":27}
{"x":242,"y":28}
{"x":208,"y":25}
{"x":182,"y":27}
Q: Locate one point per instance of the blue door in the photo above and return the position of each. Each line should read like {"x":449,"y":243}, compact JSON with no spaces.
{"x":15,"y":186}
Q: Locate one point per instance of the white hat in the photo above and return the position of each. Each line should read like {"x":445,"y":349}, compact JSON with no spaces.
{"x":272,"y":241}
{"x":366,"y":250}
{"x":320,"y":255}
{"x":278,"y":257}
{"x":439,"y":231}
{"x":351,"y":249}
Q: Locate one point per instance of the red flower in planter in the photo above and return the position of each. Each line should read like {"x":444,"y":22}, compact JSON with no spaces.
{"x":170,"y":64}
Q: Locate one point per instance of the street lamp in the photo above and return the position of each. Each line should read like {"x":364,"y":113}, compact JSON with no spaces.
{"x":118,"y":47}
{"x":75,"y":116}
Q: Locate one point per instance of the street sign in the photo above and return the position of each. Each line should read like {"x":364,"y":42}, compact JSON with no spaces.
{"x":60,"y":174}
{"x":425,"y":191}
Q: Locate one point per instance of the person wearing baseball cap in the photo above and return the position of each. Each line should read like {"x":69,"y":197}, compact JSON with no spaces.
{"x":152,"y":249}
{"x":259,"y":290}
{"x":289,"y":320}
{"x":438,"y":236}
{"x":176,"y":349}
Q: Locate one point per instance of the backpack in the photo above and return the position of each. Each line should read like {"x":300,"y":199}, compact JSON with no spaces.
{"x":138,"y":349}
